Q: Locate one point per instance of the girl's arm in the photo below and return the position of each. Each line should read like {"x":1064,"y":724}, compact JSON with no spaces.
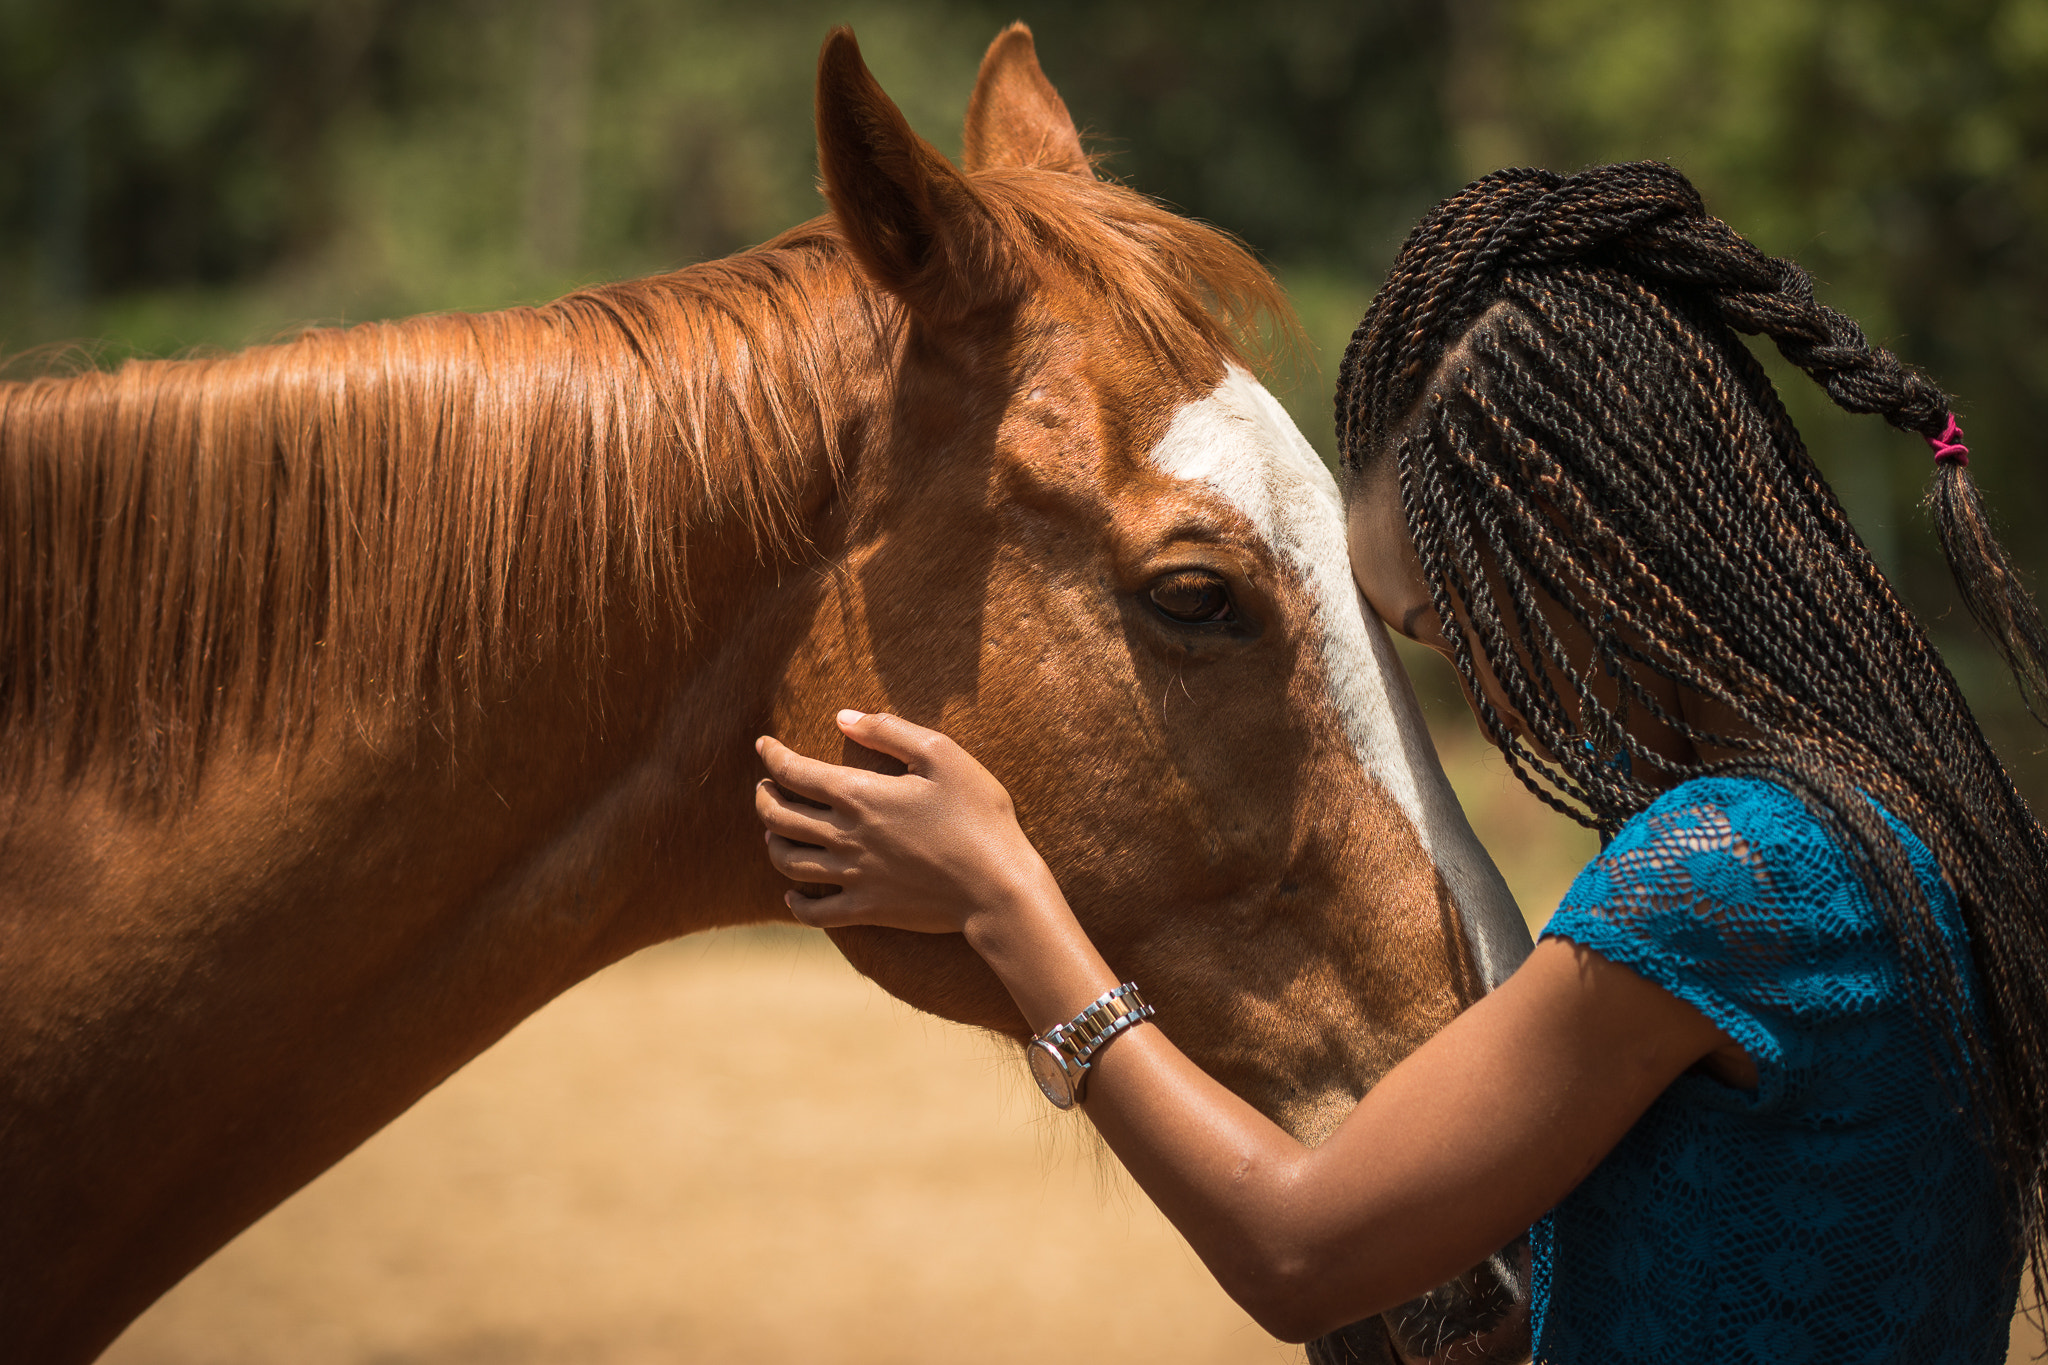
{"x":1451,"y":1156}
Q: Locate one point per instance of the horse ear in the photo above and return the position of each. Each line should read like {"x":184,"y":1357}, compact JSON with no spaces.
{"x":1016,"y":118}
{"x":918,"y":228}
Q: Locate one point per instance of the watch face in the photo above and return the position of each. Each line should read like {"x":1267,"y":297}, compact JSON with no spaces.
{"x":1051,"y":1074}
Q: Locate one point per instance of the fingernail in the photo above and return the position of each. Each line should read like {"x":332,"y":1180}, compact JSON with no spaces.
{"x":851,"y":717}
{"x":760,"y":743}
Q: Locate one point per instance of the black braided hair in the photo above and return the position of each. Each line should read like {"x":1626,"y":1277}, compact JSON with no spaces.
{"x":1553,"y":367}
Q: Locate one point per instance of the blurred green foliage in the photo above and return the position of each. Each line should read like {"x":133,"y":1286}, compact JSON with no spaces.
{"x":206,"y":172}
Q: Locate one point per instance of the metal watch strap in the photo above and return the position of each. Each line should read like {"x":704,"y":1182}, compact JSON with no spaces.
{"x":1084,"y":1036}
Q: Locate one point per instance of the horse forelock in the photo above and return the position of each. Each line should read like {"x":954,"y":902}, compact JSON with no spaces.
{"x":1190,"y":293}
{"x":386,"y":515}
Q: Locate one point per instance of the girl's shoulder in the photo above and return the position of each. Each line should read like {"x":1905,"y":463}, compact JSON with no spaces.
{"x":1730,"y":840}
{"x":1756,"y":825}
{"x":1723,"y":878}
{"x":1715,"y":812}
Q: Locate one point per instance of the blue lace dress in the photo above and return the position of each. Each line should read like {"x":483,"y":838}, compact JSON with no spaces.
{"x":1841,"y":1212}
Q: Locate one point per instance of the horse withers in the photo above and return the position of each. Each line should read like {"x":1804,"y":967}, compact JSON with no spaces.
{"x":361,"y":693}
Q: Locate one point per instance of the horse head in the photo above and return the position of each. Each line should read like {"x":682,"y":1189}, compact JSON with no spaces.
{"x":1087,"y":543}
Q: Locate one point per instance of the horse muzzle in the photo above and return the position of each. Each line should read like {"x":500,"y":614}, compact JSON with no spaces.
{"x":1480,"y":1318}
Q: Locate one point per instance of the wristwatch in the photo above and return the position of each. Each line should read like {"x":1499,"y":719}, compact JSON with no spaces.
{"x":1060,"y":1056}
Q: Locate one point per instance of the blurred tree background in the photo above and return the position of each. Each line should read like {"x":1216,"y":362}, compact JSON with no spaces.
{"x":179,"y":173}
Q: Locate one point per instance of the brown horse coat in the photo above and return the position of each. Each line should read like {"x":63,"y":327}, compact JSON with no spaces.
{"x":360,"y":693}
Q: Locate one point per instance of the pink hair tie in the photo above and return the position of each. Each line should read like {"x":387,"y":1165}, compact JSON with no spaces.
{"x":1949,"y":445}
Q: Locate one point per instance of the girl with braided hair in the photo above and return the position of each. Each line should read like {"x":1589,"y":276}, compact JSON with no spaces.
{"x":1772,"y":1084}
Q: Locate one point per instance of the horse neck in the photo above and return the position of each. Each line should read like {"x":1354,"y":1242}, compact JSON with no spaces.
{"x":435,"y":640}
{"x":497,"y":591}
{"x":375,"y":520}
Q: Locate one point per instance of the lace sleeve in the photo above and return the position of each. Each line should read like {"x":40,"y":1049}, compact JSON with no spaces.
{"x":1729,"y":894}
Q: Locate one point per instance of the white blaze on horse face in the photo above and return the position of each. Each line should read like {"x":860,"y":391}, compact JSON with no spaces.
{"x":1241,"y":444}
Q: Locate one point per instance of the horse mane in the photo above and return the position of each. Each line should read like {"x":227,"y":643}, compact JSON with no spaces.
{"x":385,"y":515}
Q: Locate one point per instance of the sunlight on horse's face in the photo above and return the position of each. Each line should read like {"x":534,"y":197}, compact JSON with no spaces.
{"x":1129,"y":596}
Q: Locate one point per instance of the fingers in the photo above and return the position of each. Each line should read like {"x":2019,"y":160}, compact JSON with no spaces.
{"x":798,"y":823}
{"x":826,"y":783}
{"x":914,"y":746}
{"x":807,"y":863}
{"x":825,"y":912}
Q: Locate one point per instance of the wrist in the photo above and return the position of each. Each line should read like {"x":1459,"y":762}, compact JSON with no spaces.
{"x":1028,"y":935}
{"x":1015,"y":907}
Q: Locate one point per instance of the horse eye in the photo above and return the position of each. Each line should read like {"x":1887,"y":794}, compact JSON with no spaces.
{"x":1193,"y":598}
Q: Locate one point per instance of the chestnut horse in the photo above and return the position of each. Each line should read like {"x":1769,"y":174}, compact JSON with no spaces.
{"x":362,"y":692}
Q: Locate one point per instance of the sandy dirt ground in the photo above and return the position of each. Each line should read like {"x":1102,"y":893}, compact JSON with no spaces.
{"x":727,"y":1149}
{"x":734,"y":1149}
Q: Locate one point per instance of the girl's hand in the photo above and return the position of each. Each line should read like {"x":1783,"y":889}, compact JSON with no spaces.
{"x":932,"y":850}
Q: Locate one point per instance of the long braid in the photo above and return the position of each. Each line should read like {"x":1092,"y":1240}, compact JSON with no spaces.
{"x":1554,"y":369}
